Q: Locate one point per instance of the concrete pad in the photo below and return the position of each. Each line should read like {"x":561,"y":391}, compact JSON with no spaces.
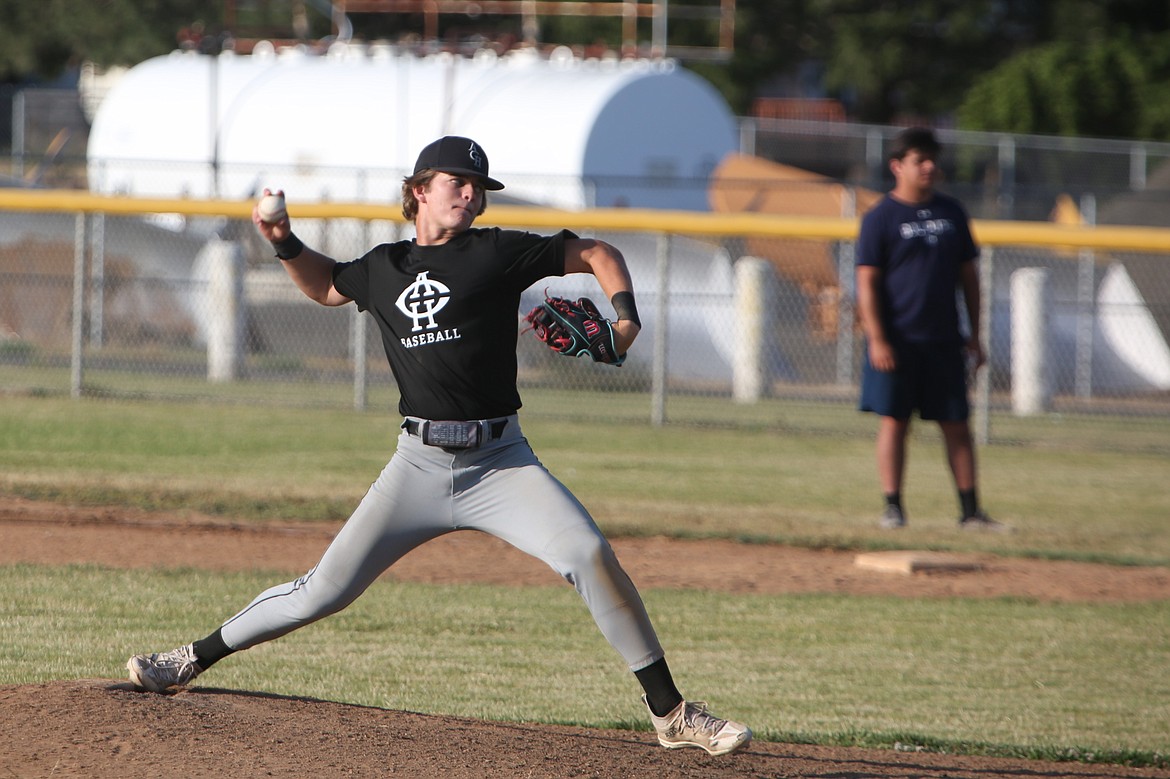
{"x":909,"y":561}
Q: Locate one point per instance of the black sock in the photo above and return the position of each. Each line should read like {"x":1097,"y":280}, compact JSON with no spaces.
{"x":210,"y":650}
{"x":894,"y":499}
{"x":967,"y":503}
{"x":661,"y":694}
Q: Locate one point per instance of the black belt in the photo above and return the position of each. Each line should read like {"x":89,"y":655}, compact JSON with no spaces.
{"x":456,"y":434}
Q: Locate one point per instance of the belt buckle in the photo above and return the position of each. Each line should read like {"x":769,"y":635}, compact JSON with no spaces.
{"x":452,"y":434}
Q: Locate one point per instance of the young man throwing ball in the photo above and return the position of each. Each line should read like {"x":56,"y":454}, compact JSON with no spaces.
{"x":446,"y":303}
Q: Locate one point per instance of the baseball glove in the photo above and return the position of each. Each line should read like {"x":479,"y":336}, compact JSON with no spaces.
{"x":574,"y":329}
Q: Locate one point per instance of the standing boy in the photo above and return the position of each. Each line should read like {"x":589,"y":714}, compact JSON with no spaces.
{"x":914,"y":251}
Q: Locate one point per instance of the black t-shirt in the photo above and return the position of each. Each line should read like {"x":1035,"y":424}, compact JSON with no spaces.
{"x":449,"y":315}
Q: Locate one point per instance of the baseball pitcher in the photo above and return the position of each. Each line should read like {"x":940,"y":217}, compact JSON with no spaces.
{"x":447,"y":304}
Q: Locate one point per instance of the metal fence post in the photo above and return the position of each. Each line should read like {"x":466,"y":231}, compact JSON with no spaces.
{"x":357,"y":332}
{"x":1086,"y":313}
{"x":983,"y":377}
{"x":874,"y":161}
{"x":1007,"y":177}
{"x":77,"y":366}
{"x":846,"y":261}
{"x":18,"y":125}
{"x":1137,"y":167}
{"x":97,"y":292}
{"x":662,"y":328}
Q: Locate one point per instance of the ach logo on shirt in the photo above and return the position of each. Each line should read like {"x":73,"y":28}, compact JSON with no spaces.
{"x":421,"y":301}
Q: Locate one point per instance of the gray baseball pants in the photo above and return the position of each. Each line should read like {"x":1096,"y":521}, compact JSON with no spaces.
{"x":425,"y":492}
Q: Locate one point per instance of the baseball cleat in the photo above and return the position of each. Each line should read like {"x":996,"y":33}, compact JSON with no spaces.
{"x":157,"y":672}
{"x":980,"y":521}
{"x":691,"y":725}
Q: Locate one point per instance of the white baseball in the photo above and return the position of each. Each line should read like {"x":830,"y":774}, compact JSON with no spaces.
{"x":272,"y":209}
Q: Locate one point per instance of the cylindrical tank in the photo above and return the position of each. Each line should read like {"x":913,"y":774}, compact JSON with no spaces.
{"x":558,"y":131}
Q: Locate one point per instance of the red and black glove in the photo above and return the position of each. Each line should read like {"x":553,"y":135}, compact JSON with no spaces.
{"x":574,"y":329}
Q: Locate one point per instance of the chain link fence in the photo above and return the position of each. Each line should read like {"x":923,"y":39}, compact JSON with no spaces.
{"x":44,"y":131}
{"x":997,"y":175}
{"x":747,"y":321}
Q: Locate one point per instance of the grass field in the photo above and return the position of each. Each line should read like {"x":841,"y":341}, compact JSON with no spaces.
{"x":999,"y":676}
{"x":1002,"y":676}
{"x":769,"y":485}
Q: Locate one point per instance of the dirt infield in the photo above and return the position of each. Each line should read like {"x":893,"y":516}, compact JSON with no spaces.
{"x":104,"y":729}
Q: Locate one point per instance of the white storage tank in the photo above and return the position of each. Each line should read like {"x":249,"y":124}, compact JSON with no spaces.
{"x":558,"y":131}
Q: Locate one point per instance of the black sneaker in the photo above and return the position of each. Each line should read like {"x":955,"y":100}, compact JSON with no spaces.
{"x":892,"y":518}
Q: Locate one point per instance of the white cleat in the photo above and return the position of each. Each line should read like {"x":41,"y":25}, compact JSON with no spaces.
{"x":159,"y":671}
{"x":691,"y":725}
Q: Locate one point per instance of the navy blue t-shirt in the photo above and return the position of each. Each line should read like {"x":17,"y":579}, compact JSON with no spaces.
{"x":449,"y":315}
{"x":919,"y":250}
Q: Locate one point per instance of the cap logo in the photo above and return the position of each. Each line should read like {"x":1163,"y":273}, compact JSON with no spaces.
{"x":450,"y":155}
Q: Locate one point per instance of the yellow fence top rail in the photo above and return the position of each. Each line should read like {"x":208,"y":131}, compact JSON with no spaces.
{"x":987,"y":232}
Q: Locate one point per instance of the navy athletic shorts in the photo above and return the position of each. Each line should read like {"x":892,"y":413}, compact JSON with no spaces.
{"x":930,"y":378}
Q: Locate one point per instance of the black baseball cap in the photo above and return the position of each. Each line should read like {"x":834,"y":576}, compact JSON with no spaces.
{"x":455,"y":154}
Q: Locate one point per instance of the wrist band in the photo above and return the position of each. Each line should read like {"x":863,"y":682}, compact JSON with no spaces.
{"x":623,"y":304}
{"x":288,"y":248}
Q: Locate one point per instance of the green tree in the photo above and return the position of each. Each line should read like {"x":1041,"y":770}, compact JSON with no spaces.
{"x":1154,"y":123}
{"x":42,"y":38}
{"x":1103,"y":70}
{"x":1074,"y":67}
{"x":1063,"y":89}
{"x":887,"y":59}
